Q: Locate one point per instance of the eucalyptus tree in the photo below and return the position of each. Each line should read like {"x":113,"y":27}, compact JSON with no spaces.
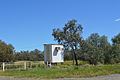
{"x":94,"y":52}
{"x":96,"y":49}
{"x":69,"y":36}
{"x":116,"y":39}
{"x":116,"y":49}
{"x":106,"y":48}
{"x":6,"y":52}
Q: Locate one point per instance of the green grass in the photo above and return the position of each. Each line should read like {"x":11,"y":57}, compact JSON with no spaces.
{"x":65,"y":70}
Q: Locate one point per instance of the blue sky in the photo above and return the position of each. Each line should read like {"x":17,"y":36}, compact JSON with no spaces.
{"x":28,"y":24}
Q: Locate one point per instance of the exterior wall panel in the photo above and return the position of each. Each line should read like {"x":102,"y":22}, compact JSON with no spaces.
{"x":53,"y":53}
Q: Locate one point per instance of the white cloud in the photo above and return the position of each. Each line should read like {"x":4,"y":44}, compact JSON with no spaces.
{"x":117,"y":19}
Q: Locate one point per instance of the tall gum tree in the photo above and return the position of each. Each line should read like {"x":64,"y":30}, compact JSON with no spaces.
{"x":70,"y":37}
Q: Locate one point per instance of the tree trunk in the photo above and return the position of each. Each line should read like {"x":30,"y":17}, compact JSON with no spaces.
{"x":75,"y":57}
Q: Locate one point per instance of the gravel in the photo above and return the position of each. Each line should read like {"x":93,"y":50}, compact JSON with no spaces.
{"x":109,"y":77}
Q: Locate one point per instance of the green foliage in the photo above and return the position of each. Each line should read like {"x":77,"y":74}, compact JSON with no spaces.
{"x":116,"y":39}
{"x":106,"y":48}
{"x":69,"y":36}
{"x":115,"y":54}
{"x":115,"y":50}
{"x":34,"y":55}
{"x":95,"y":49}
{"x":6,"y":52}
{"x":67,"y":55}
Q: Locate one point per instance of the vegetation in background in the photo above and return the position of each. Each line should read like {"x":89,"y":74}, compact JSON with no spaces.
{"x":34,"y":55}
{"x":96,"y":49}
{"x":115,"y":55}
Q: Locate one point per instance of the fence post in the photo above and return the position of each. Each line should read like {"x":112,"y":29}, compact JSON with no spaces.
{"x":25,"y":66}
{"x":3,"y":66}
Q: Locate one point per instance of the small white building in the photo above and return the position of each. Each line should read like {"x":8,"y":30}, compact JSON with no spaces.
{"x":53,"y":53}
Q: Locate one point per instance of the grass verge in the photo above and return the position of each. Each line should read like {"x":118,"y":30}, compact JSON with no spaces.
{"x":64,"y":71}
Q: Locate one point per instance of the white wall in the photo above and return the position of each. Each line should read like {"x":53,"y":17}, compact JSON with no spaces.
{"x":54,"y":55}
{"x":57,"y":56}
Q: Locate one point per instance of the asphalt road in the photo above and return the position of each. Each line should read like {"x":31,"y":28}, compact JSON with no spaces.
{"x":110,"y":77}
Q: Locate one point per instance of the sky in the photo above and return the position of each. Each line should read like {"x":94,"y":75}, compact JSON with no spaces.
{"x":28,"y":24}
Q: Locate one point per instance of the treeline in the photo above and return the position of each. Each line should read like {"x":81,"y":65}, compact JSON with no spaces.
{"x":8,"y":54}
{"x":95,"y":49}
{"x":34,"y":55}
